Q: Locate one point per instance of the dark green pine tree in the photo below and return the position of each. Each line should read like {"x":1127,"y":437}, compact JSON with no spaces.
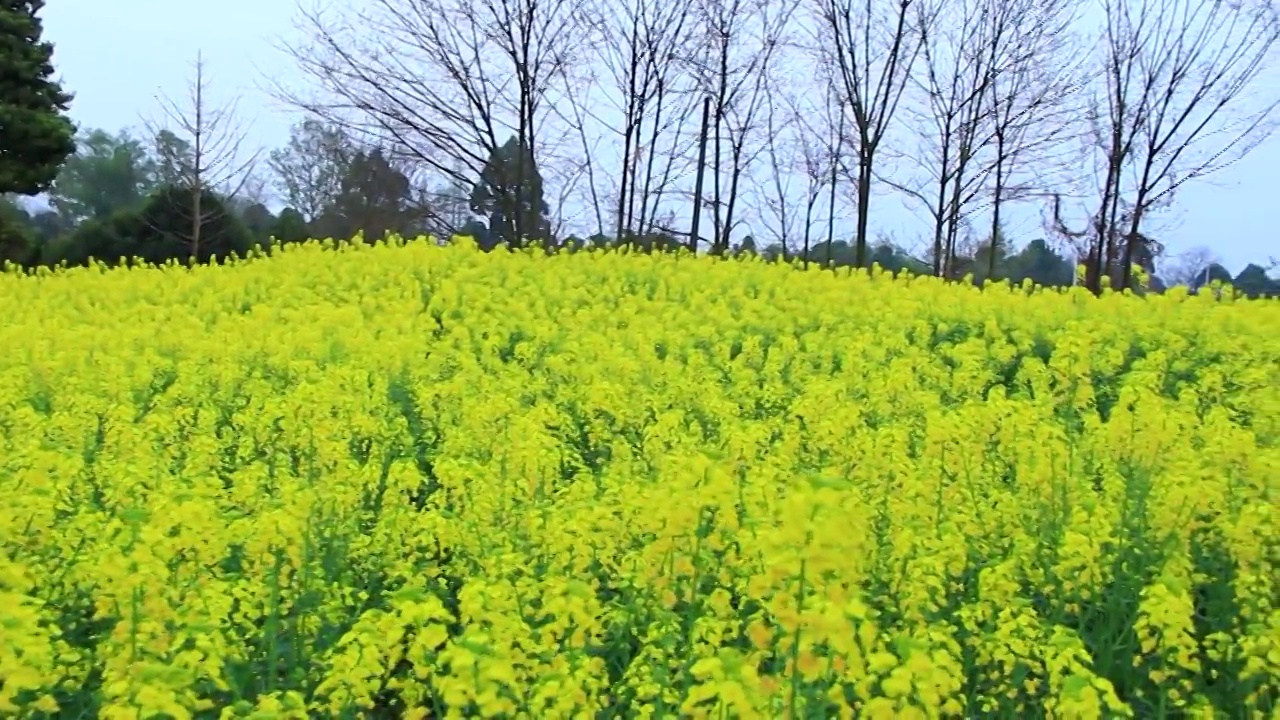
{"x":510,"y":187}
{"x":36,"y":136}
{"x":374,"y":198}
{"x":1253,"y":281}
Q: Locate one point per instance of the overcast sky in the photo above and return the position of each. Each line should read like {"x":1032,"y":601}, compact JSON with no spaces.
{"x":117,"y":57}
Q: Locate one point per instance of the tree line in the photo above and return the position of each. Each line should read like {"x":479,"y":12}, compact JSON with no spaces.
{"x":787,"y":120}
{"x":720,"y":125}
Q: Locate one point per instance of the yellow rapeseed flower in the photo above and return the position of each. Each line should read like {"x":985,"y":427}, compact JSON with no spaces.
{"x":400,"y":479}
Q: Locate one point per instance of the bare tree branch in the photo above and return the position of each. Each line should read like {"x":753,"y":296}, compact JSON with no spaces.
{"x":216,"y":159}
{"x":743,"y":38}
{"x":1185,"y":268}
{"x":641,"y":43}
{"x":309,"y":170}
{"x":443,"y":82}
{"x":1174,"y":92}
{"x":990,"y":88}
{"x":873,"y":46}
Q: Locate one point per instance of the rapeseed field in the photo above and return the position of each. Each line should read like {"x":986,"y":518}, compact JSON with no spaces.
{"x":405,"y":480}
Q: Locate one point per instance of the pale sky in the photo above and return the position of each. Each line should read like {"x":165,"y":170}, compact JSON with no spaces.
{"x":118,"y":56}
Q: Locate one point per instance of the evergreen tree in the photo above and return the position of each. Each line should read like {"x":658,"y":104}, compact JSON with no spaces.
{"x":477,"y":231}
{"x":106,"y":173}
{"x":1253,"y":281}
{"x":374,"y":197}
{"x":1040,"y":264}
{"x":259,"y":221}
{"x":17,"y":236}
{"x":509,"y":193}
{"x":158,"y":231}
{"x":174,"y":159}
{"x":290,"y":227}
{"x":1215,"y":272}
{"x":35,"y":134}
{"x":164,"y":231}
{"x":988,"y":265}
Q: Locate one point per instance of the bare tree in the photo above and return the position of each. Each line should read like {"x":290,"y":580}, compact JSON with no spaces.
{"x":444,"y":82}
{"x":803,"y":138}
{"x":872,"y":46}
{"x":836,"y":163}
{"x":953,"y":82}
{"x":559,"y":214}
{"x":1176,"y":76}
{"x":742,"y":38}
{"x":578,"y":121}
{"x":1229,"y":51}
{"x":642,"y":43}
{"x":991,"y":89}
{"x":1034,"y":84}
{"x":1187,"y":267}
{"x":310,"y":169}
{"x":643,"y":80}
{"x":256,"y":189}
{"x":203,"y":146}
{"x":781,"y":143}
{"x":451,"y":201}
{"x":254,"y":194}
